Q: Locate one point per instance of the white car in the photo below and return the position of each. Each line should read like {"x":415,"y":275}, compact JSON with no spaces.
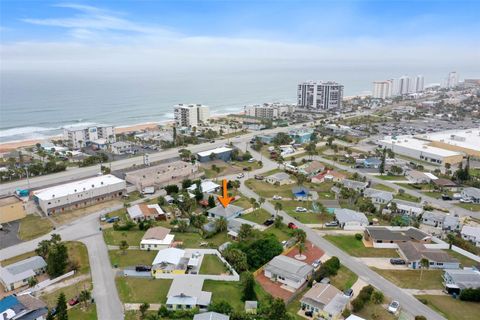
{"x":276,"y":197}
{"x":300,"y":209}
{"x":251,"y":160}
{"x":394,"y":306}
{"x":240,"y":176}
{"x":466,"y":200}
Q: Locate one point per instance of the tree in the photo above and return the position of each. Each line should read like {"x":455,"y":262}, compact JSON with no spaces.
{"x":381,"y":168}
{"x":278,"y":207}
{"x":277,"y":310}
{"x":278,"y":221}
{"x":248,"y":285}
{"x":261,"y":201}
{"x":424,"y":264}
{"x":211,"y":201}
{"x":57,"y":260}
{"x":85,"y":297}
{"x":330,"y":141}
{"x":300,"y":179}
{"x":300,"y":235}
{"x":450,"y":239}
{"x":61,"y":307}
{"x":245,"y":232}
{"x":377,"y":297}
{"x":50,"y":316}
{"x":182,"y":226}
{"x":301,"y":248}
{"x":221,"y":307}
{"x":32,"y":282}
{"x":221,"y":224}
{"x":237,"y":258}
{"x":143,"y":309}
{"x":123,"y":246}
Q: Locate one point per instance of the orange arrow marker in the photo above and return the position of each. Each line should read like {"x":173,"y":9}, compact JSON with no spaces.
{"x":225,"y":200}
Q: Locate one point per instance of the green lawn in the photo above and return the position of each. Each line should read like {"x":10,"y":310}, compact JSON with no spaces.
{"x":243,"y":202}
{"x":193,"y":240}
{"x":211,"y":264}
{"x":407,"y":197}
{"x":391,"y":178}
{"x":23,"y":256}
{"x":231,"y":292}
{"x":383,"y":187}
{"x":356,"y":248}
{"x":304,"y":217}
{"x":344,"y":279}
{"x":469,"y":206}
{"x":375,"y":311}
{"x":112,"y":237}
{"x":132,"y":196}
{"x":80,"y":313}
{"x":451,"y":308}
{"x":70,"y":292}
{"x":295,"y":305}
{"x":138,"y":290}
{"x":210,"y":173}
{"x":282,"y":233}
{"x":267,"y":190}
{"x":258,"y":216}
{"x":410,"y":279}
{"x":77,"y":253}
{"x":33,"y":226}
{"x":465,"y":262}
{"x":131,"y":257}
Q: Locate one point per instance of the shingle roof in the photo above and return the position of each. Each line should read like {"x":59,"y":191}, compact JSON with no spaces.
{"x":211,"y":316}
{"x":374,"y":193}
{"x":289,"y":268}
{"x":227,"y":212}
{"x":464,"y":278}
{"x":383,"y":233}
{"x":347,"y":183}
{"x":158,"y":233}
{"x":279,"y":176}
{"x":22,"y":269}
{"x":414,"y":251}
{"x":471,"y":231}
{"x":347,"y":215}
{"x":472,"y":192}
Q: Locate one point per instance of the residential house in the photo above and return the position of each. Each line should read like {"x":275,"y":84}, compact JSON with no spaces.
{"x":11,"y":209}
{"x":169,"y":260}
{"x":329,"y":175}
{"x":451,"y":223}
{"x":289,"y":271}
{"x":324,"y":301}
{"x":300,"y":193}
{"x":433,"y":218}
{"x":143,"y":211}
{"x":471,"y":234}
{"x":415,"y":176}
{"x":378,"y":196}
{"x":472,"y":194}
{"x":186,"y":293}
{"x":359,"y":186}
{"x":279,"y":178}
{"x":17,"y":274}
{"x":354,"y":317}
{"x":161,"y":174}
{"x":407,"y":207}
{"x":301,"y":135}
{"x":121,"y":147}
{"x":229,"y":212}
{"x":22,"y":307}
{"x":379,"y":234}
{"x":156,"y":238}
{"x":234,"y":226}
{"x":350,"y":219}
{"x":211,"y":316}
{"x":310,"y":169}
{"x":371,"y":162}
{"x":457,"y":280}
{"x":414,"y":252}
{"x":222,"y":153}
{"x":206,"y":186}
{"x":266,"y":138}
{"x":445,"y":184}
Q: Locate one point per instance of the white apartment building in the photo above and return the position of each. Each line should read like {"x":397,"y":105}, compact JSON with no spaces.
{"x":452,"y":80}
{"x":81,"y":136}
{"x":190,"y":115}
{"x":395,"y":87}
{"x":419,"y":83}
{"x":382,"y":89}
{"x":79,"y":194}
{"x":319,"y":96}
{"x":269,"y":110}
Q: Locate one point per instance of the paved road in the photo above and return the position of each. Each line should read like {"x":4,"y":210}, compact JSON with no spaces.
{"x":407,"y":301}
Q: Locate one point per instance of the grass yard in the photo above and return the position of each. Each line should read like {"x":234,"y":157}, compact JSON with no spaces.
{"x":33,"y":226}
{"x":383,"y":187}
{"x":133,"y":196}
{"x":466,"y":262}
{"x":267,"y":190}
{"x":407,"y":197}
{"x":469,"y":206}
{"x":70,"y":292}
{"x":304,"y":217}
{"x":138,"y":290}
{"x":282,"y":233}
{"x":211,"y":264}
{"x":80,"y":313}
{"x":391,"y":178}
{"x":259,"y":216}
{"x":210,"y":173}
{"x":344,"y":279}
{"x":193,"y":240}
{"x":23,"y":256}
{"x":77,"y":252}
{"x":131,"y":257}
{"x":231,"y":292}
{"x":375,"y":311}
{"x":451,"y":308}
{"x":410,"y":279}
{"x":243,"y":202}
{"x":112,"y":237}
{"x":356,"y":248}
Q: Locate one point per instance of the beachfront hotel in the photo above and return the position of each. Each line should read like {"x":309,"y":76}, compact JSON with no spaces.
{"x":190,"y":115}
{"x":81,"y":136}
{"x":319,"y":96}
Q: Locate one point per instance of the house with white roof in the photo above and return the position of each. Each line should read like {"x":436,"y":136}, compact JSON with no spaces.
{"x":324,"y":301}
{"x":279,"y":178}
{"x":289,"y":271}
{"x":169,"y":260}
{"x":472,"y":194}
{"x":18,"y":274}
{"x":359,"y":186}
{"x":156,"y":238}
{"x":78,"y":194}
{"x":350,"y":219}
{"x":143,"y":211}
{"x":186,"y":293}
{"x":471,"y":234}
{"x":222,"y":153}
{"x":229,"y":212}
{"x":457,"y":280}
{"x":210,"y":316}
{"x":378,"y":196}
{"x":207,"y":186}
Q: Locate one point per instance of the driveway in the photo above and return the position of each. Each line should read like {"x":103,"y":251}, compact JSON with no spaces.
{"x":382,"y":263}
{"x":9,"y":234}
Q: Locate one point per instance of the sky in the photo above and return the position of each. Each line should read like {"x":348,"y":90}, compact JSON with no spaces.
{"x":222,"y":35}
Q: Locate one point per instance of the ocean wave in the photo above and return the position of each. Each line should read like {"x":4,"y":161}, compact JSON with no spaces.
{"x":24,"y":131}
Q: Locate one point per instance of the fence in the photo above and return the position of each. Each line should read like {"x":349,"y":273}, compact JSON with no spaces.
{"x":42,"y":285}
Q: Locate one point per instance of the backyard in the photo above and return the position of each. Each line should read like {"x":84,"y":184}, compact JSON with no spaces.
{"x":267,"y":190}
{"x":344,"y":278}
{"x":451,"y":308}
{"x":112,"y":237}
{"x":282,"y":233}
{"x":469,"y":206}
{"x":194,"y":240}
{"x":131,"y":257}
{"x":356,"y":248}
{"x":412,"y":279}
{"x":258,"y":216}
{"x":211,"y":264}
{"x":139,"y":290}
{"x":305,"y":217}
{"x":33,"y":226}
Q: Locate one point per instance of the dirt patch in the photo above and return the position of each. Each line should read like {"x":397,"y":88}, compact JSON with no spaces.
{"x":62,"y":218}
{"x":274,"y":288}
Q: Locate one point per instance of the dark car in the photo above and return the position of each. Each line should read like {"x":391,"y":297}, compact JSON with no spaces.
{"x":259,"y":177}
{"x":348,"y":292}
{"x":268,"y":222}
{"x":446,"y":197}
{"x":308,"y":313}
{"x":397,"y":261}
{"x":143,"y":268}
{"x":112,"y":220}
{"x":73,"y":301}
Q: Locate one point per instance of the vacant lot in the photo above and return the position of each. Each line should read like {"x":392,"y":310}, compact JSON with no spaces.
{"x":131,"y":257}
{"x":413,"y":279}
{"x":70,"y":292}
{"x":33,"y":226}
{"x":137,"y":290}
{"x":211,"y":264}
{"x":304,"y":217}
{"x":406,"y":197}
{"x":469,"y":206}
{"x":451,"y":308}
{"x":194,"y":240}
{"x":78,"y":254}
{"x":282,"y":233}
{"x":375,"y":311}
{"x":344,"y":279}
{"x":259,"y":216}
{"x":112,"y":237}
{"x":356,"y":248}
{"x":383,"y":187}
{"x":268,"y":190}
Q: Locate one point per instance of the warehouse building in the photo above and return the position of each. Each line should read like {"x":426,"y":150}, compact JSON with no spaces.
{"x":11,"y":209}
{"x":222,"y":153}
{"x":79,"y":194}
{"x":465,"y":141}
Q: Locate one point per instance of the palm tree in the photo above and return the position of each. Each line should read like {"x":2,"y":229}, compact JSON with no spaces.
{"x":221,"y":224}
{"x":84,"y":297}
{"x":424,"y":264}
{"x":261,"y":201}
{"x":123,"y":246}
{"x":301,"y":249}
{"x":278,"y":207}
{"x":450,"y":239}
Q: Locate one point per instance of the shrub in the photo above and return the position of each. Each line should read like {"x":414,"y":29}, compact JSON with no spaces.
{"x":358,"y":236}
{"x":377,"y":297}
{"x":470,"y":294}
{"x":420,"y":318}
{"x":357,"y":304}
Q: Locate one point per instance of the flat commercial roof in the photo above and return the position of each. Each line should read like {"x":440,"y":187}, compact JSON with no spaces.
{"x":8,"y":200}
{"x":420,"y":145}
{"x":215,"y":151}
{"x":468,"y":138}
{"x":76,"y":187}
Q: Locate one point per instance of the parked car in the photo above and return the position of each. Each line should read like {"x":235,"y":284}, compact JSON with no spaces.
{"x":308,"y":313}
{"x":348,"y":292}
{"x":292,"y":225}
{"x":331,"y":224}
{"x":251,"y":160}
{"x":112,"y":219}
{"x":143,"y":268}
{"x":259,"y":177}
{"x":276,"y":197}
{"x":300,"y":209}
{"x":240,"y":175}
{"x":397,"y":261}
{"x":73,"y":301}
{"x":393,"y":306}
{"x":446,"y":197}
{"x":466,"y":200}
{"x":268,"y":222}
{"x":316,"y":263}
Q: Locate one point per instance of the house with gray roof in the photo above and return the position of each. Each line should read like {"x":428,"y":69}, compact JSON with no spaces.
{"x":289,"y":271}
{"x":210,"y":316}
{"x":17,"y":274}
{"x":229,"y":212}
{"x":407,"y":207}
{"x":186,"y":293}
{"x":350,"y":219}
{"x":378,"y":234}
{"x":441,"y":220}
{"x":324,"y":301}
{"x":22,"y":307}
{"x":279,"y":178}
{"x":359,"y":186}
{"x":472,"y":194}
{"x":472,"y":234}
{"x":414,"y":252}
{"x":457,"y":280}
{"x":378,"y":196}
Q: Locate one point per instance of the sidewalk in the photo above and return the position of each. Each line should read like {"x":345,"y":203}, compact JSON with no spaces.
{"x":66,"y":283}
{"x":136,"y":306}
